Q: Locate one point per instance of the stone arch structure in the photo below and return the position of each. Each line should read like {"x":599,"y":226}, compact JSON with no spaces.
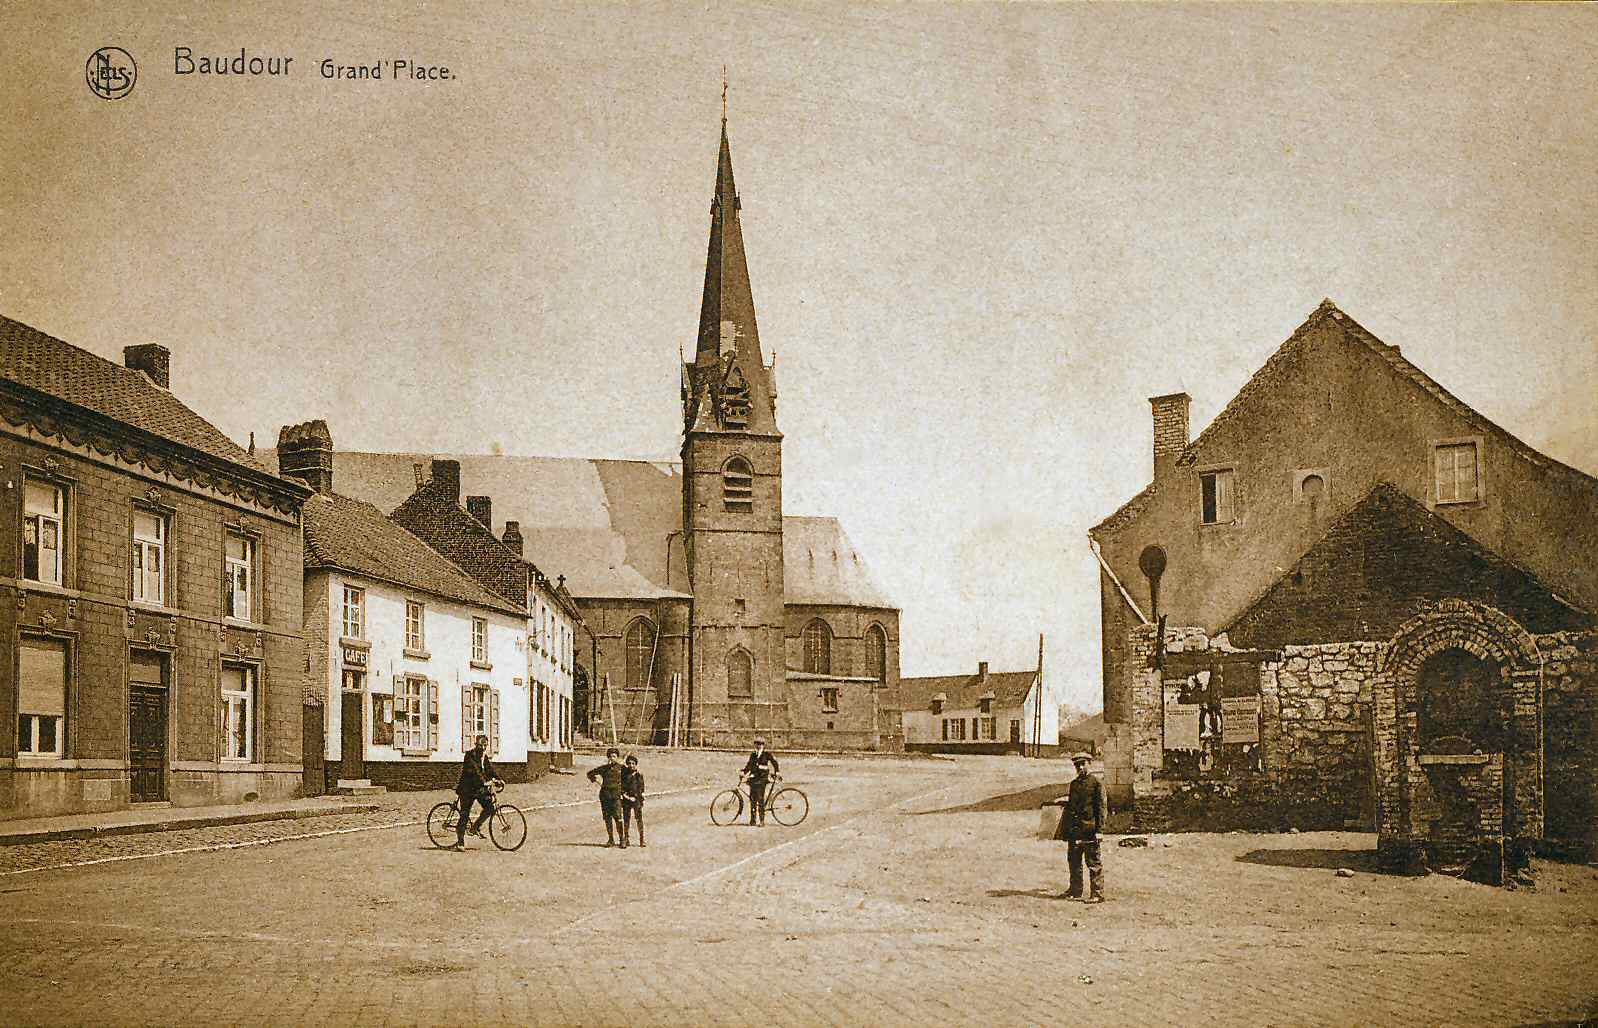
{"x":1446,"y":798}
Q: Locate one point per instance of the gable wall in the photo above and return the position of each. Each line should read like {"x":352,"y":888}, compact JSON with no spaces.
{"x":1337,"y":406}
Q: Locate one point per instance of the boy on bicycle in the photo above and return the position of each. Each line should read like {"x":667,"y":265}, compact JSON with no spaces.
{"x":632,"y":800}
{"x":758,"y":770}
{"x":474,"y":786}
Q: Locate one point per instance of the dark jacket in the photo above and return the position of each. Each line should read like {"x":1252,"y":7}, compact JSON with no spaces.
{"x":608,"y":776}
{"x":476,"y":772}
{"x":1085,"y":809}
{"x":761,"y":766}
{"x":632,"y":786}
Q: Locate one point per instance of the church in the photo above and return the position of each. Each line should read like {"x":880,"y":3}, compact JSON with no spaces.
{"x":709,"y":617}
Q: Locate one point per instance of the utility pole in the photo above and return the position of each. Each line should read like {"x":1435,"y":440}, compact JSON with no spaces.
{"x":1037,"y":708}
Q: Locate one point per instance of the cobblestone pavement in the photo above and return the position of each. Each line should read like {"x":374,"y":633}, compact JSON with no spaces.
{"x":914,"y":893}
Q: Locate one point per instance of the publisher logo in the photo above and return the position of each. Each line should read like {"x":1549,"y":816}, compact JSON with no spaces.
{"x":111,"y":72}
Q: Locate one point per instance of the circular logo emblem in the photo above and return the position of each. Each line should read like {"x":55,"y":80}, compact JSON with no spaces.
{"x":111,"y":72}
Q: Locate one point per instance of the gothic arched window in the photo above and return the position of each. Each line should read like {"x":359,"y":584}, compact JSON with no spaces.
{"x":818,"y":648}
{"x":740,"y":674}
{"x":738,"y":486}
{"x":877,"y":653}
{"x":640,"y":645}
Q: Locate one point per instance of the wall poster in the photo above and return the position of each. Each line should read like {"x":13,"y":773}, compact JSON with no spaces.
{"x":1211,"y":713}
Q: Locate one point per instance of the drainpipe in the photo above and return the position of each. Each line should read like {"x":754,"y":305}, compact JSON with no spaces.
{"x":1099,"y":555}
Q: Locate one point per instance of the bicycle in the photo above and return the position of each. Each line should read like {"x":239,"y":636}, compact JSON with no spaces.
{"x":787,"y":805}
{"x":507,"y":825}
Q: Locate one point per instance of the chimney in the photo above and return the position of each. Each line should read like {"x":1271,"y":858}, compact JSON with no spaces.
{"x":513,"y":535}
{"x":982,"y":670}
{"x":1170,"y":428}
{"x":153,"y":359}
{"x":305,"y":452}
{"x":447,"y":477}
{"x":481,"y":508}
{"x":420,"y":471}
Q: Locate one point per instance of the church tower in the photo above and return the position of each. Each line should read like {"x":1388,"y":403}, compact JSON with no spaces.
{"x":732,"y":495}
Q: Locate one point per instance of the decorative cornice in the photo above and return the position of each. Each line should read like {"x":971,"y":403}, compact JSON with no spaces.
{"x":56,"y":419}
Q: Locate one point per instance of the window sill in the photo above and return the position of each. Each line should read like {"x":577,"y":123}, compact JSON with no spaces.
{"x":415,"y":753}
{"x":1219,"y":524}
{"x":145,"y":606}
{"x":417,"y":654}
{"x":350,"y":643}
{"x":482,"y":665}
{"x":244,"y":623}
{"x":47,"y":588}
{"x":44,"y":762}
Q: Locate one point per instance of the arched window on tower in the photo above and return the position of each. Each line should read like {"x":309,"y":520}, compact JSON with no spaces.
{"x":640,"y":645}
{"x":740,"y":675}
{"x":877,"y":653}
{"x":818,"y":648}
{"x":738,"y":486}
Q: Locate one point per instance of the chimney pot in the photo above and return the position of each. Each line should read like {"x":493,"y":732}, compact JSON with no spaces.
{"x":305,"y":453}
{"x":513,"y":535}
{"x":1170,"y":428}
{"x":153,"y":359}
{"x":447,"y":477}
{"x":481,"y":508}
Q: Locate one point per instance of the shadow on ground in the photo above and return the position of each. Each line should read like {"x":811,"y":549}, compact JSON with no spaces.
{"x":1354,"y":860}
{"x":1042,"y":894}
{"x":1031,"y":799}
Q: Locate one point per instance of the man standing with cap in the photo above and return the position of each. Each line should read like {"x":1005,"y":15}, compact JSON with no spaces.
{"x":758,"y":770}
{"x":1085,"y":814}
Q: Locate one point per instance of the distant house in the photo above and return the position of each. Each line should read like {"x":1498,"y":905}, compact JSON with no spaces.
{"x":1353,"y":599}
{"x":1084,"y":736}
{"x":988,"y":712}
{"x":413,"y":657}
{"x":150,"y":644}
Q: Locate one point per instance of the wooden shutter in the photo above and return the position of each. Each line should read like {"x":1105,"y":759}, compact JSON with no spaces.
{"x":430,"y":732}
{"x":466,"y":718}
{"x":493,"y":722}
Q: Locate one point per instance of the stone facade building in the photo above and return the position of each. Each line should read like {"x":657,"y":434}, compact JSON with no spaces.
{"x":703,"y":605}
{"x":150,"y":593}
{"x":1377,"y":608}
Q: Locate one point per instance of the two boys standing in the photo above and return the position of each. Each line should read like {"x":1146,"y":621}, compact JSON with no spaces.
{"x":621,"y":797}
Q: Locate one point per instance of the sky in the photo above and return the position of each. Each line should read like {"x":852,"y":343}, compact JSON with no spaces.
{"x":980,"y":237}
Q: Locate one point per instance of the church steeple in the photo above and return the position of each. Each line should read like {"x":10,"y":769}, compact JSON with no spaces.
{"x":728,"y":381}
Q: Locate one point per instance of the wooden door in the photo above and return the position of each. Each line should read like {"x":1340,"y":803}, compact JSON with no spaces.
{"x":352,"y":736}
{"x":146,"y":743}
{"x":313,"y":762}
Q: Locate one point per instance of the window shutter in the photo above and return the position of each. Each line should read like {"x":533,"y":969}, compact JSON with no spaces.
{"x":493,"y":722}
{"x":466,"y":718}
{"x":430,"y":731}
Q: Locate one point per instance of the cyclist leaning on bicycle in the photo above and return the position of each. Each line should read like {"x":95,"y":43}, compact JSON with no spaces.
{"x":759,"y":769}
{"x":475,"y":786}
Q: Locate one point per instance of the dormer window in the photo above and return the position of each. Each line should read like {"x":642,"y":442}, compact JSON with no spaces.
{"x":738,"y":486}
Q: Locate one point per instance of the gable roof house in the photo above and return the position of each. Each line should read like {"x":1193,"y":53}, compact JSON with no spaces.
{"x":1340,"y":495}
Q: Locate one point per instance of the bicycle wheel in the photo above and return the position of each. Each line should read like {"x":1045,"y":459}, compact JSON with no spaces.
{"x":508,"y":827}
{"x":441,"y":824}
{"x":789,"y":806}
{"x":727,"y":807}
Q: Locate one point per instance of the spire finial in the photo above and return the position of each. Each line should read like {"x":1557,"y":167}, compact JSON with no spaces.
{"x":723,"y":96}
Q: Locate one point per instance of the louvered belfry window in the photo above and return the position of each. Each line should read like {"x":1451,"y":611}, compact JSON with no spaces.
{"x":738,"y":486}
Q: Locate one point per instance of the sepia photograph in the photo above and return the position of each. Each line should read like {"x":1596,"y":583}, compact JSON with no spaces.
{"x":1062,"y":512}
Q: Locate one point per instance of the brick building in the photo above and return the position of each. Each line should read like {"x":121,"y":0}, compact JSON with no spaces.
{"x":1000,"y":712}
{"x":1358,"y":575}
{"x":149,"y":593}
{"x":691,"y":581}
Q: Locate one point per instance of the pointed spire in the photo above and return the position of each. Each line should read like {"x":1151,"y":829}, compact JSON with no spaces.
{"x":729,"y":338}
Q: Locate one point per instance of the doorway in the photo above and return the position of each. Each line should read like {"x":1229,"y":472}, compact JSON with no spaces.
{"x":146,"y":727}
{"x":352,"y":736}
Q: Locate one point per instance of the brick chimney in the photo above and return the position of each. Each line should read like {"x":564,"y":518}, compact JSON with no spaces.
{"x":513,"y":535}
{"x":481,"y":508}
{"x":1170,"y":428}
{"x":447,"y":477}
{"x":305,"y":453}
{"x":153,"y":359}
{"x":982,"y":670}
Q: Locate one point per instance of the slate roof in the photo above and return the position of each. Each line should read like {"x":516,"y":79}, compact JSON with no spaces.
{"x":961,"y":692}
{"x":66,"y":372}
{"x":607,"y":525}
{"x":1278,"y":364}
{"x":349,"y":535}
